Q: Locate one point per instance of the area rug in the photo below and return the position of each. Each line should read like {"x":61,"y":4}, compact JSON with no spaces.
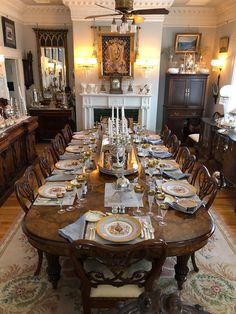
{"x":214,"y":287}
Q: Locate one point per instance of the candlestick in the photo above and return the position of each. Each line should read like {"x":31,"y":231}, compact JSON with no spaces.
{"x":123,"y":112}
{"x":117,"y":126}
{"x":112,"y":114}
{"x":117,"y":113}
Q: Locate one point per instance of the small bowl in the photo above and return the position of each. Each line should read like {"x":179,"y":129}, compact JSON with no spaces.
{"x":69,"y":188}
{"x":173,"y":70}
{"x":80,"y":177}
{"x":60,"y":195}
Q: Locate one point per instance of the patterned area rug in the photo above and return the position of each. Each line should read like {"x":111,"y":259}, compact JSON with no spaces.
{"x":214,"y":287}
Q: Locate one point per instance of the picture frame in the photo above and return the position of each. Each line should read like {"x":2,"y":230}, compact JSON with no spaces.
{"x":187,"y":43}
{"x":9,"y":33}
{"x":223,"y":44}
{"x":116,"y":55}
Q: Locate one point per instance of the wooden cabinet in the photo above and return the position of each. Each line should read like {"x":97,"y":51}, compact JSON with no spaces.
{"x":51,"y":121}
{"x":184,"y":102}
{"x":17,"y":150}
{"x":221,"y":147}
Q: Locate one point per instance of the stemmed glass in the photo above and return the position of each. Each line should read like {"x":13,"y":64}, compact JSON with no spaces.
{"x":151,"y":194}
{"x":70,"y":189}
{"x":78,"y":188}
{"x":60,"y":196}
{"x":162,"y":210}
{"x":139,"y":190}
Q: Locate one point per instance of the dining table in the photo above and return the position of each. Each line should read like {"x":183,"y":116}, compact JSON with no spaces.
{"x":183,"y":233}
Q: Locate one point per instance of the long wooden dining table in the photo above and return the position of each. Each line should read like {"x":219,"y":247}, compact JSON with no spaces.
{"x":183,"y":233}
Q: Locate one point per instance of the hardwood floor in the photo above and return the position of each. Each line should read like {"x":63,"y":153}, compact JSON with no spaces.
{"x":223,"y":206}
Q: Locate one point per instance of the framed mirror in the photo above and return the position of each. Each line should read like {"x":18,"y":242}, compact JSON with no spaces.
{"x":52,"y":58}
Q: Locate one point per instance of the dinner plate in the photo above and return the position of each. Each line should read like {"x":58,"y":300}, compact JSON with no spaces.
{"x":167,"y":166}
{"x":118,"y":228}
{"x":68,"y":164}
{"x":178,"y":188}
{"x":159,"y":148}
{"x":74,"y":149}
{"x":79,"y":137}
{"x":50,"y":190}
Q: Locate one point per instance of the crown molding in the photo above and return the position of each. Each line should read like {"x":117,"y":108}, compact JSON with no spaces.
{"x":191,"y":16}
{"x":226,"y":14}
{"x":12,"y":9}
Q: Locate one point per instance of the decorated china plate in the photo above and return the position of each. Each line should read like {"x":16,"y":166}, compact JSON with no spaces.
{"x":179,"y":188}
{"x":50,"y":190}
{"x":79,"y":137}
{"x":167,"y":165}
{"x":159,"y":148}
{"x":74,"y":148}
{"x":118,"y":228}
{"x":68,"y":164}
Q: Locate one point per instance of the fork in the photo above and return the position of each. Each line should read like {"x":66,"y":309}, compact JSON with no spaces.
{"x":92,"y":233}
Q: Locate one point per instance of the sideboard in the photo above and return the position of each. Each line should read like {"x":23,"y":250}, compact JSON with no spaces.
{"x":221,"y":147}
{"x":17,"y":151}
{"x":128,"y":101}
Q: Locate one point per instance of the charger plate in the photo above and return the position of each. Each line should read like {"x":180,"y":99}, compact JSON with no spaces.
{"x":67,"y":164}
{"x":167,"y":165}
{"x":50,"y":190}
{"x":118,"y":228}
{"x":179,"y":188}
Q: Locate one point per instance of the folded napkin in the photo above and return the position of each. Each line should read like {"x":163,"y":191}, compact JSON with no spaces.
{"x":161,"y":155}
{"x":60,"y":177}
{"x":74,"y":231}
{"x":176,"y":174}
{"x":154,"y":141}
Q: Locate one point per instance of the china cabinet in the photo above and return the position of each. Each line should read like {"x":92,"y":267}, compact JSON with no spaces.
{"x":184,"y":102}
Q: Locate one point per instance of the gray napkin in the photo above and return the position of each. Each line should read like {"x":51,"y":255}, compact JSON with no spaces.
{"x":60,"y":177}
{"x":161,"y":155}
{"x":74,"y":231}
{"x":191,"y":211}
{"x":69,"y":156}
{"x":154,"y":141}
{"x":176,"y":174}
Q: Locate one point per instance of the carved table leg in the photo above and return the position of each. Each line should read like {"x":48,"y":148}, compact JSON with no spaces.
{"x":181,"y":270}
{"x":53,"y":269}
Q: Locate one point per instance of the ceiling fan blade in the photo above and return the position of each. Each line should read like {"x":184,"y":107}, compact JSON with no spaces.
{"x":150,"y":11}
{"x":102,"y":6}
{"x":103,"y":15}
{"x":136,"y":18}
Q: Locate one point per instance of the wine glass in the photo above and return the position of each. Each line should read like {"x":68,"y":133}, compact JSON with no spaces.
{"x":60,"y":196}
{"x":78,"y":194}
{"x":139,"y":190}
{"x":162,"y":210}
{"x":69,"y":189}
{"x":151,"y":194}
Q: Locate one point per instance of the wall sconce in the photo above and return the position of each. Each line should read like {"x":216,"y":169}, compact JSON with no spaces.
{"x":146,"y":65}
{"x":86,"y":64}
{"x":217,"y":65}
{"x":2,"y":59}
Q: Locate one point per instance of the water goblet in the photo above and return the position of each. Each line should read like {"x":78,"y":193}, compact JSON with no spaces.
{"x":60,"y":196}
{"x":162,"y":210}
{"x":69,"y":189}
{"x":151,"y":194}
{"x":78,"y":190}
{"x":139,"y":190}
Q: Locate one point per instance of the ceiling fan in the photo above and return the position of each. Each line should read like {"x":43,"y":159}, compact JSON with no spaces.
{"x":126,"y":10}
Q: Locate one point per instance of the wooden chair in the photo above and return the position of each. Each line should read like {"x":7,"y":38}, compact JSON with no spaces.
{"x":112,"y":273}
{"x":173,"y":144}
{"x":67,"y":133}
{"x":166,"y":135}
{"x":185,"y":160}
{"x":26,"y":189}
{"x":59,"y":145}
{"x":47,"y":161}
{"x":206,"y":187}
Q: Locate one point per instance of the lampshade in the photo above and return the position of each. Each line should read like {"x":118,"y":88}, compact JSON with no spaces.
{"x":113,"y":26}
{"x":2,"y":58}
{"x":217,"y":63}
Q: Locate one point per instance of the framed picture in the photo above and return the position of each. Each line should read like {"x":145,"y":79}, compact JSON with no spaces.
{"x":116,"y":55}
{"x":224,"y":44}
{"x":9,"y":34}
{"x":187,"y":43}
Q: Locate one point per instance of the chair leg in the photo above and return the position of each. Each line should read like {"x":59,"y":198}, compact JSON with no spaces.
{"x":40,"y":260}
{"x":196,"y":269}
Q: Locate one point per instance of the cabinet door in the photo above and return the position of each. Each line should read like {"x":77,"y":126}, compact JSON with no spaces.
{"x":196,"y":92}
{"x":177,"y":92}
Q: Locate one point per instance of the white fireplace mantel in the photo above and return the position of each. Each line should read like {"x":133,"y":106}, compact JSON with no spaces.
{"x":102,"y":101}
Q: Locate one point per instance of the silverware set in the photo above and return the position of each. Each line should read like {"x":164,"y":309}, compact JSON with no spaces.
{"x":147,"y":231}
{"x":92,"y":232}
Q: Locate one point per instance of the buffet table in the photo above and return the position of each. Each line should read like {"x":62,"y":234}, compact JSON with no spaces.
{"x":183,"y":233}
{"x":17,"y":150}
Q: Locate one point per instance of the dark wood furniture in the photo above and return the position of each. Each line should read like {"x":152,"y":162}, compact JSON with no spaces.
{"x":183,"y":234}
{"x":185,"y":160}
{"x":184,"y":103}
{"x":17,"y":150}
{"x":51,"y":121}
{"x":115,"y":272}
{"x":26,"y":189}
{"x":220,"y":147}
